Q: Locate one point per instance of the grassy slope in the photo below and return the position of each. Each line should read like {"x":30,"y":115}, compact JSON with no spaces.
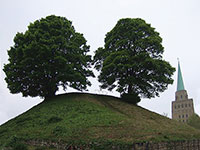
{"x":194,"y":121}
{"x":86,"y":117}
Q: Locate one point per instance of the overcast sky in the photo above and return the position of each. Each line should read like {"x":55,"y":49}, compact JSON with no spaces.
{"x":177,"y":21}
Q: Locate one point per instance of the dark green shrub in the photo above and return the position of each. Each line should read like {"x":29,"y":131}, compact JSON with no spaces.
{"x":130,"y":98}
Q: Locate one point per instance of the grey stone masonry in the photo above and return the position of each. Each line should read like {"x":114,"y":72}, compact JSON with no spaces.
{"x":182,"y":107}
{"x":173,"y":145}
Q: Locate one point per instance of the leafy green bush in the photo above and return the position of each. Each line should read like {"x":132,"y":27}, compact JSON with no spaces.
{"x":130,"y":98}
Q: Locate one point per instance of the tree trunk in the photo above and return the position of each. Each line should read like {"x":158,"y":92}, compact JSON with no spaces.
{"x":51,"y":92}
{"x":130,"y":89}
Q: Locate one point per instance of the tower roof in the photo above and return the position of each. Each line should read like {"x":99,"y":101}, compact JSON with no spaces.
{"x":180,"y":85}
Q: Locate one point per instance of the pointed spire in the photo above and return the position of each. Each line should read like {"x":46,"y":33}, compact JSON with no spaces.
{"x":180,"y":85}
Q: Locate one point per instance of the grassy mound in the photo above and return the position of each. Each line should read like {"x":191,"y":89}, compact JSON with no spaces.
{"x":84,"y":118}
{"x":194,"y":121}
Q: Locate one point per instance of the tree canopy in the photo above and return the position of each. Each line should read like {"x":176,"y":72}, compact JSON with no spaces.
{"x":48,"y":55}
{"x":131,"y":60}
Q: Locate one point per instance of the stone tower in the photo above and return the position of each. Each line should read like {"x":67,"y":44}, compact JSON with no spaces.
{"x":182,"y":107}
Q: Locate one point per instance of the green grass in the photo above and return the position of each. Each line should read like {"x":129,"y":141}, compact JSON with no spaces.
{"x":194,"y":121}
{"x":85,"y":118}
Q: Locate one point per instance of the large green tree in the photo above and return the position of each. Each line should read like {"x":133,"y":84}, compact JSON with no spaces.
{"x":48,"y":55}
{"x":131,"y":60}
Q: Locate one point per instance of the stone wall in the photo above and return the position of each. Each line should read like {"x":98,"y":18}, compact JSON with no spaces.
{"x":175,"y":145}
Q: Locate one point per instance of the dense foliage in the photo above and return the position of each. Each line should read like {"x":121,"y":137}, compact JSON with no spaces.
{"x":48,"y":55}
{"x":131,"y":60}
{"x":194,"y":121}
